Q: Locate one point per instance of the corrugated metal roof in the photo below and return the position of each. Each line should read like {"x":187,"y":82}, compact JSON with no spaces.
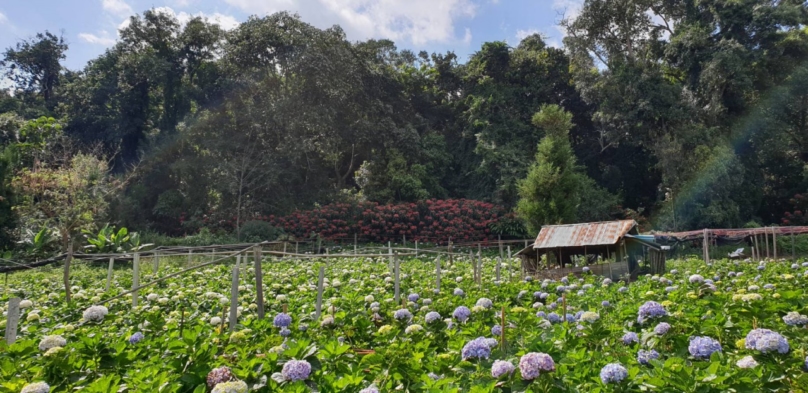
{"x":579,"y":235}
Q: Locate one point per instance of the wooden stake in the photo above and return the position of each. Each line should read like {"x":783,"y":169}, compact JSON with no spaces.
{"x":502,"y":330}
{"x":12,"y":320}
{"x":284,"y":249}
{"x":757,"y":248}
{"x":296,"y":247}
{"x":774,"y":242}
{"x":66,"y":273}
{"x":156,"y":263}
{"x":766,"y":240}
{"x":109,"y":272}
{"x":190,"y":255}
{"x":499,"y":266}
{"x":259,"y":282}
{"x":437,"y":274}
{"x":451,"y":254}
{"x":354,"y":243}
{"x":793,"y":254}
{"x":416,"y":248}
{"x":135,"y":278}
{"x":234,"y":299}
{"x":397,"y":272}
{"x":499,"y":240}
{"x":318,"y":308}
{"x":319,"y":243}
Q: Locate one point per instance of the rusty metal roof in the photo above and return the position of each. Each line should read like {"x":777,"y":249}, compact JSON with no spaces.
{"x":579,"y":235}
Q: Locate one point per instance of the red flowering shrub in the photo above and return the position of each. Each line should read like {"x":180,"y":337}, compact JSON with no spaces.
{"x":797,"y":217}
{"x":433,"y":221}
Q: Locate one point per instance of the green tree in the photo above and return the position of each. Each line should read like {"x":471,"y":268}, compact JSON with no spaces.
{"x":34,"y":65}
{"x":550,"y":193}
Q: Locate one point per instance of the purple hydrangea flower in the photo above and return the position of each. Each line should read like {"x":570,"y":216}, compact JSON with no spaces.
{"x":296,"y":370}
{"x":768,"y":286}
{"x":537,"y":295}
{"x":561,"y":289}
{"x":484,"y":302}
{"x":413,"y":297}
{"x":571,"y":318}
{"x":585,"y":269}
{"x":630,"y":338}
{"x":501,"y":367}
{"x":703,"y":347}
{"x":662,"y":328}
{"x":651,"y":309}
{"x":496,"y":330}
{"x":605,"y":303}
{"x":541,"y":314}
{"x":765,"y":340}
{"x":285,"y":332}
{"x":219,"y":375}
{"x":476,"y":349}
{"x":282,"y":320}
{"x":565,"y":280}
{"x":613,"y":372}
{"x":461,"y":313}
{"x":402,"y":314}
{"x":533,"y":363}
{"x":136,"y":338}
{"x":794,"y":318}
{"x":696,"y":279}
{"x":551,"y":306}
{"x":795,"y":266}
{"x":459,"y":292}
{"x":432,"y":316}
{"x":622,"y":290}
{"x":644,"y":357}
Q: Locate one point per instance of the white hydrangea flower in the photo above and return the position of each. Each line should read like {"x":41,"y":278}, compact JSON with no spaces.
{"x":49,"y":342}
{"x":95,"y":313}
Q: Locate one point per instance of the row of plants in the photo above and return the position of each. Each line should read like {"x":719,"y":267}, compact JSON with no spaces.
{"x":435,"y":221}
{"x":729,"y":326}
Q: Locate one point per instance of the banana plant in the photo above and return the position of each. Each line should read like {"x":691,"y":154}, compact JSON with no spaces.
{"x":107,"y":240}
{"x":39,"y":244}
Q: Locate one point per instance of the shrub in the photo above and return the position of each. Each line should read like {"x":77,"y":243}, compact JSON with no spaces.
{"x":257,"y":231}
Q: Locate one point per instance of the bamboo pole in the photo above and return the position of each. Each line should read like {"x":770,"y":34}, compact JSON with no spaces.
{"x":259,"y":282}
{"x":135,"y":279}
{"x":109,"y":273}
{"x":234,"y":299}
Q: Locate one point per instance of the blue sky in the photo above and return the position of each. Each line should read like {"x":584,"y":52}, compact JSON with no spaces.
{"x":90,"y":26}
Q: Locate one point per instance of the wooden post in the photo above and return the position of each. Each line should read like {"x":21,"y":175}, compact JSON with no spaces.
{"x":766,"y":240}
{"x":190,"y":254}
{"x":479,"y":262}
{"x":155,"y":263}
{"x":499,"y":240}
{"x":499,"y":266}
{"x":416,"y":248}
{"x":109,"y":272}
{"x":502,"y":330}
{"x":397,"y":273}
{"x":706,"y":245}
{"x":234,"y":299}
{"x":451,"y":254}
{"x":757,"y":247}
{"x":135,"y":278}
{"x":404,"y":240}
{"x":319,"y":243}
{"x":12,"y":320}
{"x":66,"y":273}
{"x":390,"y":255}
{"x":284,"y":249}
{"x":296,"y":247}
{"x":754,"y":257}
{"x":437,"y":274}
{"x":318,"y":308}
{"x":774,"y":242}
{"x":793,"y":254}
{"x":354,"y":243}
{"x":259,"y":282}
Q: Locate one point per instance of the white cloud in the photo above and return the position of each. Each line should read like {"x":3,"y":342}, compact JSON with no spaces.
{"x":104,"y":39}
{"x":226,"y":22}
{"x":522,"y":34}
{"x":416,"y":21}
{"x":182,"y":3}
{"x":3,"y":18}
{"x":117,"y":7}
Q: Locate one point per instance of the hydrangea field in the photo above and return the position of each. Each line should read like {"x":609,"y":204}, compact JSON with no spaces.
{"x":727,"y":327}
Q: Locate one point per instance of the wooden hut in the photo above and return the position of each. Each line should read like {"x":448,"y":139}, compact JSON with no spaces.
{"x":613,"y":249}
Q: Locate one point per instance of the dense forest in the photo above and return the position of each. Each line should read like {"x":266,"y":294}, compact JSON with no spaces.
{"x":680,"y":114}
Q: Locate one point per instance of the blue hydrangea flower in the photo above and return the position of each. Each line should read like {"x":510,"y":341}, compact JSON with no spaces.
{"x":622,"y":290}
{"x":553,"y":317}
{"x":461,"y":313}
{"x":491,"y":342}
{"x":630,"y":338}
{"x":795,"y":266}
{"x":662,"y":328}
{"x":605,"y":303}
{"x":794,"y":318}
{"x":533,"y":363}
{"x":585,"y":269}
{"x":703,"y":347}
{"x":651,"y":309}
{"x":580,"y":293}
{"x":541,"y":314}
{"x":501,"y":367}
{"x":565,"y":280}
{"x":496,"y":330}
{"x":613,"y":372}
{"x":296,"y":370}
{"x":561,"y":289}
{"x":761,"y":267}
{"x":285,"y":332}
{"x":765,"y":341}
{"x":413,"y":297}
{"x":696,"y":279}
{"x":552,"y":306}
{"x":402,"y":314}
{"x":432,"y":316}
{"x":768,"y":286}
{"x":674,"y":271}
{"x":476,"y":349}
{"x":459,"y":292}
{"x":537,"y":295}
{"x":571,"y":318}
{"x":644,"y":357}
{"x":670,"y":289}
{"x":282,"y":320}
{"x":136,"y":338}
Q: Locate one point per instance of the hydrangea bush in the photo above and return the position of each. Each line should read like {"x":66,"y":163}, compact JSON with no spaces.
{"x":725,"y":327}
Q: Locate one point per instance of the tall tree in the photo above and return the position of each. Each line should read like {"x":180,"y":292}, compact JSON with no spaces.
{"x":34,"y":65}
